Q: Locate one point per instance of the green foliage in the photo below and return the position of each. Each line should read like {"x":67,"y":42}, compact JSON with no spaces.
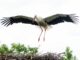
{"x":68,"y":55}
{"x":32,"y":50}
{"x":17,"y":48}
{"x":3,"y":49}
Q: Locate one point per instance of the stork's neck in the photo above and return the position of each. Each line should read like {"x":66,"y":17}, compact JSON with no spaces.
{"x":36,"y":18}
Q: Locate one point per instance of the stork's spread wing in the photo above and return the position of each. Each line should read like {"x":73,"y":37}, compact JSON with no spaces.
{"x":6,"y":21}
{"x":59,"y":18}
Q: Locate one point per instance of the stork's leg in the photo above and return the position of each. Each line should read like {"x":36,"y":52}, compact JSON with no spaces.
{"x":40,"y":34}
{"x":44,"y":35}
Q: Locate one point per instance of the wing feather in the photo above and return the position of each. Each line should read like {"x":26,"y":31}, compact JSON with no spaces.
{"x":6,"y":21}
{"x":59,"y":18}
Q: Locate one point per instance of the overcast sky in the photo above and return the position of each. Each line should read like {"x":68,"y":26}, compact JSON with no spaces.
{"x":58,"y":37}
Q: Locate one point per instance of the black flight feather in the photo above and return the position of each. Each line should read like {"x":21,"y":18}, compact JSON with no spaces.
{"x":18,"y":19}
{"x":59,"y":18}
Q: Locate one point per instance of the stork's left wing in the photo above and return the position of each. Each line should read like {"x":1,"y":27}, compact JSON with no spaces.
{"x":59,"y":18}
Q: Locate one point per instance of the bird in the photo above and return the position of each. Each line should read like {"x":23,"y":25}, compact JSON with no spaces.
{"x":43,"y":23}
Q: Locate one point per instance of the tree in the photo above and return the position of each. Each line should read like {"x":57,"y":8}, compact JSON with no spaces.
{"x":68,"y":55}
{"x":32,"y":51}
{"x":19,"y":49}
{"x":4,"y":50}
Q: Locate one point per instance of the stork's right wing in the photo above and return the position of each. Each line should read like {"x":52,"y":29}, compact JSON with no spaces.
{"x":6,"y":21}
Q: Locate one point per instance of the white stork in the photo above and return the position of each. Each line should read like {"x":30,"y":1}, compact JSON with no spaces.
{"x":43,"y":23}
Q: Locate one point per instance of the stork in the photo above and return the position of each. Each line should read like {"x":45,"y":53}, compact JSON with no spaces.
{"x":43,"y":23}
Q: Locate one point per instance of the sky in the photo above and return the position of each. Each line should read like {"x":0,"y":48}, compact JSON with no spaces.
{"x":58,"y":37}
